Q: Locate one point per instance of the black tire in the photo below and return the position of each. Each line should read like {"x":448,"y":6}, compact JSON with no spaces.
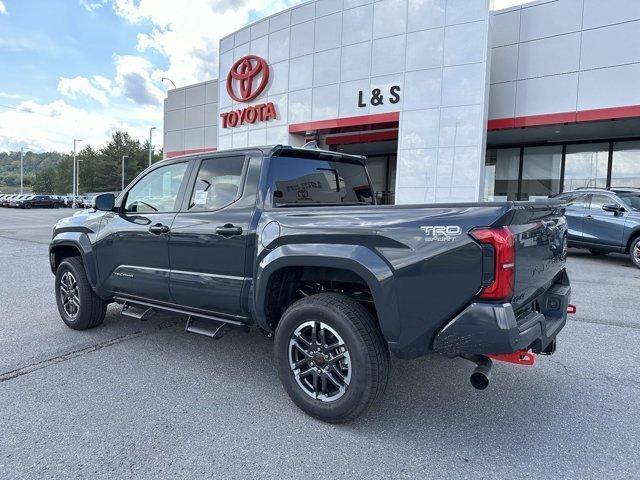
{"x":598,"y":253}
{"x":91,"y":309}
{"x":368,"y":356}
{"x":56,"y":205}
{"x":634,"y":252}
{"x":27,"y":206}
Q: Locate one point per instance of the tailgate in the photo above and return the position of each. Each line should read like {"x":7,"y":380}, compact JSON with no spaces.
{"x":540,"y":231}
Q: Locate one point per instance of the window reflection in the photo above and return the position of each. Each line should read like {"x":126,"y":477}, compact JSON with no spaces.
{"x":541,"y":172}
{"x":625,"y":171}
{"x":501,"y":174}
{"x":586,"y":166}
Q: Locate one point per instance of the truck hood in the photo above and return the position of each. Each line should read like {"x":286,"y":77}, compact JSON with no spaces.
{"x":87,"y":221}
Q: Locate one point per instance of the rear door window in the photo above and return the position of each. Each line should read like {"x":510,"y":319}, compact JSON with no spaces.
{"x":218,"y":183}
{"x":317,"y":181}
{"x":633,"y":201}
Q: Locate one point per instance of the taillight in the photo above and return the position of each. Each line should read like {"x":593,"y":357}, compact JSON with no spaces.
{"x":503,"y":243}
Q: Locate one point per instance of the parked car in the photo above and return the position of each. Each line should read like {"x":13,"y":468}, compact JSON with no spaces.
{"x":6,"y":199}
{"x":83,"y":201}
{"x":38,"y":201}
{"x":290,"y":241}
{"x":604,"y":220}
{"x":70,"y":199}
{"x":14,"y":201}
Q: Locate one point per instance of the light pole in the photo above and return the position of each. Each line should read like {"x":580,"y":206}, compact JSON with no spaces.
{"x":123,"y":157}
{"x":150,"y":146}
{"x":21,"y":167}
{"x":168,"y":80}
{"x":75,"y":172}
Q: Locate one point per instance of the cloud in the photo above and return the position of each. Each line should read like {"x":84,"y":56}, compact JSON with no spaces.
{"x":92,"y":5}
{"x":3,"y":9}
{"x":95,"y":89}
{"x":54,"y":125}
{"x":185,"y":33}
{"x":188,"y":36}
{"x":133,"y":80}
{"x":500,"y":4}
{"x":11,"y":96}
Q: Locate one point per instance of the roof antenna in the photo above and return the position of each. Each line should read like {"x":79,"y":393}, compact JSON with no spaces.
{"x":311,"y":144}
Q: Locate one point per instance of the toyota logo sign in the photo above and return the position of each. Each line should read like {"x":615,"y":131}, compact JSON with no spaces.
{"x":247,"y":78}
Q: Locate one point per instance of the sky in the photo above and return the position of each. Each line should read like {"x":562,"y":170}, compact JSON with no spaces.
{"x":84,"y":68}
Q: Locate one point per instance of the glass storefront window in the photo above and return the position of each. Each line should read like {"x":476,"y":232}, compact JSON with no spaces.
{"x":541,"y":172}
{"x":586,"y":166}
{"x":502,"y":167}
{"x":625,"y":171}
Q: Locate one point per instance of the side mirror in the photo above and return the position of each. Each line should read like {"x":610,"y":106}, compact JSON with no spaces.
{"x":613,"y":208}
{"x":105,"y":202}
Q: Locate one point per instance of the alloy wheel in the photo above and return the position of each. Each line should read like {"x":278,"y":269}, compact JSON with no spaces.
{"x":636,"y":253}
{"x":320,"y":361}
{"x":70,"y":295}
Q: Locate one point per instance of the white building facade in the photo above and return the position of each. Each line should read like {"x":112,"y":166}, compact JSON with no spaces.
{"x":449,"y":100}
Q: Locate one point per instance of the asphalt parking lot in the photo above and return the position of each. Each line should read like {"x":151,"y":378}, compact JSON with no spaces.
{"x":138,"y":399}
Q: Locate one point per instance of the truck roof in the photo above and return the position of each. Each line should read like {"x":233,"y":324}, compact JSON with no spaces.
{"x":269,"y":150}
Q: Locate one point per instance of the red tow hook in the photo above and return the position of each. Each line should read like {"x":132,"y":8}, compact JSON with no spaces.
{"x":521,"y":357}
{"x":571,"y":309}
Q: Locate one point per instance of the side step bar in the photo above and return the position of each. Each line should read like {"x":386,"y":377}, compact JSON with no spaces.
{"x":128,"y":303}
{"x":139,"y":313}
{"x":215,"y":330}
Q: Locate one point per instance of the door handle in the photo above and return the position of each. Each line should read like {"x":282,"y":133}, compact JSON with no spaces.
{"x":159,"y":228}
{"x":229,"y":230}
{"x":589,"y":217}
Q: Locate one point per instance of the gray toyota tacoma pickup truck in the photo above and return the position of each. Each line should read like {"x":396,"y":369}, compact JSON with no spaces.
{"x":290,"y":241}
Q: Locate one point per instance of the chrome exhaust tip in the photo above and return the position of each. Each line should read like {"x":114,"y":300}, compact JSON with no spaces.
{"x":482,"y":373}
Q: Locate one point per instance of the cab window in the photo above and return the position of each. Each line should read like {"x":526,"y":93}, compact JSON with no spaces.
{"x":157,"y":191}
{"x":218,"y":183}
{"x":317,"y":181}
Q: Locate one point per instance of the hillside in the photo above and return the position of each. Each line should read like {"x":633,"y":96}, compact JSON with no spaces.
{"x":33,"y":164}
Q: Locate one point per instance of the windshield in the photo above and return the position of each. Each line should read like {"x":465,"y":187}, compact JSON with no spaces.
{"x":317,"y":181}
{"x":633,"y":200}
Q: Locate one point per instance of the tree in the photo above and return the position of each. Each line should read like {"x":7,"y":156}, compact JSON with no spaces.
{"x":88,"y":167}
{"x":100,"y":170}
{"x":45,"y":180}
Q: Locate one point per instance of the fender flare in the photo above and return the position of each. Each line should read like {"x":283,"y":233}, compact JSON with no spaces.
{"x":80,"y":241}
{"x":358,"y":259}
{"x":631,"y":238}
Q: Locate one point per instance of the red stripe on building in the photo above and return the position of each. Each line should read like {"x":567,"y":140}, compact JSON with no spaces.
{"x":178,"y":153}
{"x":600,"y":114}
{"x":362,"y":137}
{"x":364,"y":120}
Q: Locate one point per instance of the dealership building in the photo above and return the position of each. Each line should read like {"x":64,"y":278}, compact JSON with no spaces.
{"x":449,"y":100}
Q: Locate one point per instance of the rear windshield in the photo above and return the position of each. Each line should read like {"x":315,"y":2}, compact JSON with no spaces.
{"x":633,"y":200}
{"x":315,"y":181}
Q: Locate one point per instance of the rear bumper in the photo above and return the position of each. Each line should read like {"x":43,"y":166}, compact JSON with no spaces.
{"x":484,"y":328}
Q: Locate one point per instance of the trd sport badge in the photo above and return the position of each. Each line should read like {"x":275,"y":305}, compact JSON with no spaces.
{"x":441,"y":233}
